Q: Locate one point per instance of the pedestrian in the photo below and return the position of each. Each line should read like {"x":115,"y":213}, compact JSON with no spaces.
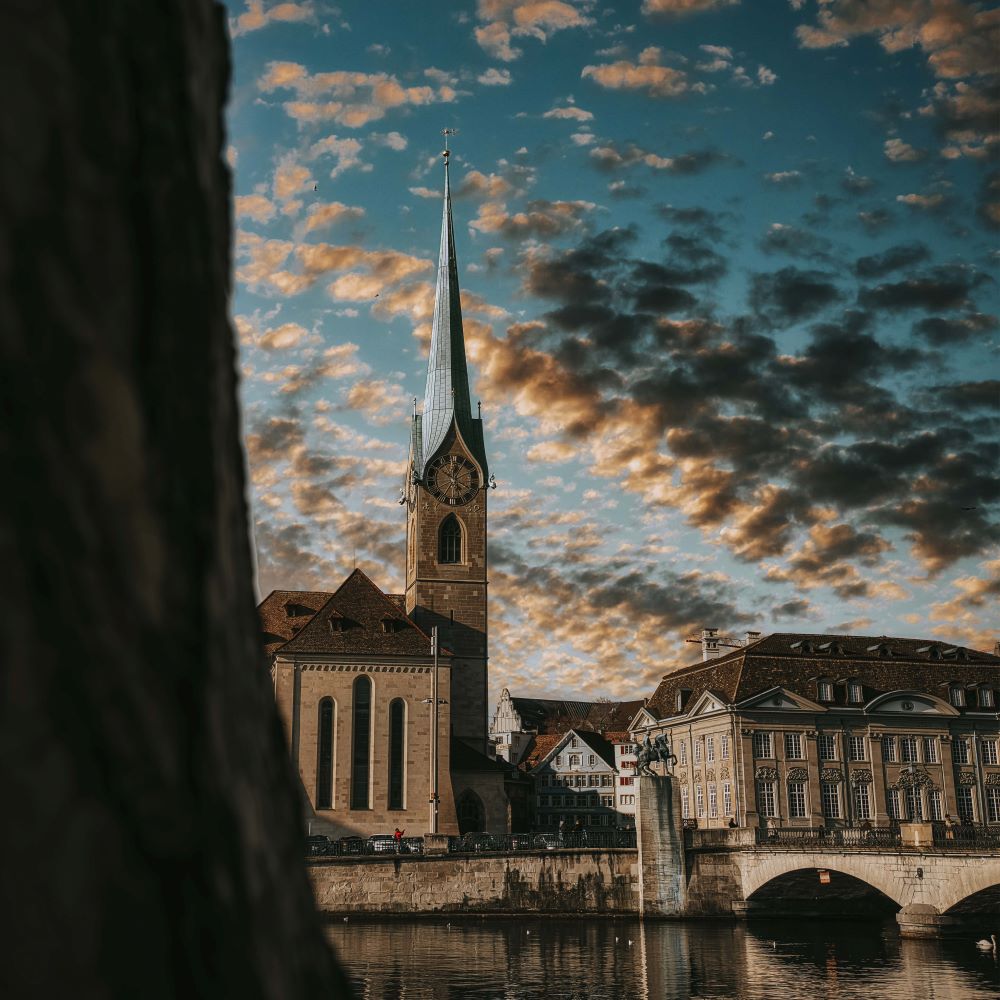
{"x":732,"y":823}
{"x":398,"y":837}
{"x":949,"y":828}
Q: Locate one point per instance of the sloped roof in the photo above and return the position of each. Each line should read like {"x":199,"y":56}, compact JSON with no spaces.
{"x":361,"y":607}
{"x":538,"y":749}
{"x":794,"y":661}
{"x":543,"y":745}
{"x":465,"y":759}
{"x":552,"y":715}
{"x":601,"y":746}
{"x":278,"y":624}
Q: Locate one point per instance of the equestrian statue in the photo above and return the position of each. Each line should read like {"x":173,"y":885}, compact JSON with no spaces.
{"x":654,"y":752}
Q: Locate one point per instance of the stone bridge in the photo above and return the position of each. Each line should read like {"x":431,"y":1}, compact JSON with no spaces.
{"x":932,"y":887}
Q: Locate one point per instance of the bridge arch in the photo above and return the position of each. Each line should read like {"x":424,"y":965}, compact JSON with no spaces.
{"x":981,"y":881}
{"x":760,"y":872}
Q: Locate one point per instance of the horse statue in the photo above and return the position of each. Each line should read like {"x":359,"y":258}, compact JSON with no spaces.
{"x":654,"y":752}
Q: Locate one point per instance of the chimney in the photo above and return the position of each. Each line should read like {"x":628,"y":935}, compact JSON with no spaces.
{"x":752,"y":637}
{"x":709,"y":643}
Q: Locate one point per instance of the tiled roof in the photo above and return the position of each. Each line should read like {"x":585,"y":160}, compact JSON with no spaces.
{"x":283,"y":614}
{"x":795,"y":661}
{"x":619,"y":737}
{"x":360,"y":609}
{"x":539,"y":748}
{"x":599,"y":745}
{"x":550,"y":715}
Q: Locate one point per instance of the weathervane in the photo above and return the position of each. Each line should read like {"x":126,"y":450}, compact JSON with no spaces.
{"x":447,"y":132}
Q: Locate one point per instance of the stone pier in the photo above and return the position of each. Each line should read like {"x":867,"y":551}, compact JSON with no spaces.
{"x":660,"y":831}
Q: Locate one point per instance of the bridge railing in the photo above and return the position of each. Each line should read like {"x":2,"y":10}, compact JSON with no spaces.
{"x":819,"y":837}
{"x":964,"y":836}
{"x":510,"y":843}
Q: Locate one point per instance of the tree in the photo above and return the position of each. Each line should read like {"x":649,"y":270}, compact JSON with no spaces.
{"x":151,"y":841}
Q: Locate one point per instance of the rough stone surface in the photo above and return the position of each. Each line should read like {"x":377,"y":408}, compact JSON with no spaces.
{"x":586,"y":881}
{"x":156,"y":849}
{"x":662,"y":875}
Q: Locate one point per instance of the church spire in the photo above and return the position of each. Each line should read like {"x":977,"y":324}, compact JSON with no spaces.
{"x":447,"y":394}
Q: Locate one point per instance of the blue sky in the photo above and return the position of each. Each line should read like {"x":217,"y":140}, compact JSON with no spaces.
{"x":730,"y":291}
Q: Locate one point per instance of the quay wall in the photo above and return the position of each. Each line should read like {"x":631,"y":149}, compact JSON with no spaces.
{"x":586,"y":881}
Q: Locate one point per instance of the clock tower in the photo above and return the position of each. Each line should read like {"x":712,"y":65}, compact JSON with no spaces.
{"x":445,"y":496}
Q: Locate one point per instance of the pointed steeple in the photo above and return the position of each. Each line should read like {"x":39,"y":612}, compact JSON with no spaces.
{"x":447,"y":394}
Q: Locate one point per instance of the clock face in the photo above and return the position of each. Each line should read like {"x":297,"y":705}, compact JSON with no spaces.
{"x":452,"y":479}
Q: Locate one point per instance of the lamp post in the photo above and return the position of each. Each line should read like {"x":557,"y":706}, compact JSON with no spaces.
{"x":434,"y":701}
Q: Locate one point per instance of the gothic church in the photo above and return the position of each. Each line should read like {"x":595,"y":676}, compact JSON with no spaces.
{"x":354,"y":670}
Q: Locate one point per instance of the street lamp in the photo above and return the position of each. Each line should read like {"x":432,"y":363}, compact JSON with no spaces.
{"x":434,"y":701}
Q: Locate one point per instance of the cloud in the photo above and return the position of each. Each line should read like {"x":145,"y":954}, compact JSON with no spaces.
{"x":256,"y":16}
{"x":610,"y":157}
{"x":955,"y":331}
{"x":646,"y":75}
{"x":794,"y":242}
{"x":283,"y":337}
{"x":541,"y":218}
{"x":943,"y":287}
{"x":323,"y":215}
{"x":254,"y":206}
{"x":897,"y":151}
{"x":925,"y":202}
{"x":351,"y":99}
{"x":893,"y":259}
{"x":784,"y":178}
{"x":677,"y":8}
{"x":571,"y":113}
{"x":502,"y":20}
{"x":791,"y":294}
{"x":495,"y":78}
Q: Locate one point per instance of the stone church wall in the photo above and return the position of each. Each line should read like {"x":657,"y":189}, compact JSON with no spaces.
{"x":591,"y":881}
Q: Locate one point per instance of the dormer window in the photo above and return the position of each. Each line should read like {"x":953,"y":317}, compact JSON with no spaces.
{"x":986,"y":699}
{"x":824,"y":689}
{"x":933,"y":652}
{"x":336,"y":623}
{"x":803,"y":646}
{"x":833,"y":648}
{"x":680,"y":699}
{"x":956,"y":695}
{"x":879,"y":649}
{"x":390,"y":624}
{"x":855,"y":692}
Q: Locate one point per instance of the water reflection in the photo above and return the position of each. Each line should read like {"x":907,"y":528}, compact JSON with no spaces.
{"x":626,"y":960}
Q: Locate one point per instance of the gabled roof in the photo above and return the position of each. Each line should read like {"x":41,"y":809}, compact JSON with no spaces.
{"x":794,"y":661}
{"x":544,"y":746}
{"x":360,"y":608}
{"x":539,"y":748}
{"x":277,"y":624}
{"x":551,"y":715}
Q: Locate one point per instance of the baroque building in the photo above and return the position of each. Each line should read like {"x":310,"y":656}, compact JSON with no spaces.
{"x":835,"y":731}
{"x":357,"y":682}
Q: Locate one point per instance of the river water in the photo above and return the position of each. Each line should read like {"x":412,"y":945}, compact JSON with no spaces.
{"x":622,"y":959}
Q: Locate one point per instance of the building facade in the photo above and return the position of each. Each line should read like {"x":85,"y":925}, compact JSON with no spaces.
{"x":833,"y":731}
{"x":380,"y":728}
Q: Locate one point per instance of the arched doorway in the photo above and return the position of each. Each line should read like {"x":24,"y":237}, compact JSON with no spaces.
{"x":471,"y":814}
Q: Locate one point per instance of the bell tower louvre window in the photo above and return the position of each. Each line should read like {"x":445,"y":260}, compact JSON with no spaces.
{"x":450,"y":540}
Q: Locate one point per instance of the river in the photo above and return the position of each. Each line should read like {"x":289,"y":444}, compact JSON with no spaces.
{"x":622,"y":959}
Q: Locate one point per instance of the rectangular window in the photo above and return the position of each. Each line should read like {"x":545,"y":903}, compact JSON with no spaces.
{"x":606,"y":780}
{"x":856,"y":748}
{"x":684,"y":752}
{"x":697,"y":751}
{"x":724,"y":746}
{"x":608,"y":800}
{"x":830,"y":795}
{"x":956,"y":696}
{"x":685,"y":803}
{"x":559,"y":760}
{"x":986,"y":697}
{"x":797,"y":799}
{"x":993,"y":803}
{"x":862,"y":802}
{"x":893,"y":803}
{"x":934,"y":804}
{"x":825,"y":691}
{"x":763,"y":745}
{"x":965,"y":803}
{"x":766,"y":805}
{"x":713,"y":801}
{"x":699,"y":801}
{"x":574,"y":743}
{"x":727,"y":798}
{"x":908,"y":749}
{"x":827,"y":746}
{"x":960,"y":751}
{"x":989,"y":751}
{"x":930,"y":750}
{"x":889,"y":749}
{"x":591,"y":760}
{"x":574,"y":760}
{"x":710,"y":749}
{"x":793,"y":746}
{"x":626,"y":781}
{"x":914,"y":804}
{"x":580,"y":781}
{"x":855,"y":692}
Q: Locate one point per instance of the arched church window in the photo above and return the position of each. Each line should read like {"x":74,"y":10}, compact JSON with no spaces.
{"x":361,"y":743}
{"x":397,"y":752}
{"x":324,"y":766}
{"x":450,"y":540}
{"x":471,"y":815}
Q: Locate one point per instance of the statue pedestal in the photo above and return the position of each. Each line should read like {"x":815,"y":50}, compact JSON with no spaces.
{"x":660,"y":834}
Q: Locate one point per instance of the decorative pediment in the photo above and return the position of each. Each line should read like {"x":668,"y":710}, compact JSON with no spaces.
{"x":642,"y":719}
{"x":910,"y":703}
{"x":993,"y":778}
{"x":967,"y":778}
{"x":798,"y":774}
{"x":831,"y":774}
{"x":766,"y":774}
{"x":777,"y":699}
{"x":724,"y":773}
{"x":913,"y":777}
{"x":707,"y":703}
{"x":861,"y":777}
